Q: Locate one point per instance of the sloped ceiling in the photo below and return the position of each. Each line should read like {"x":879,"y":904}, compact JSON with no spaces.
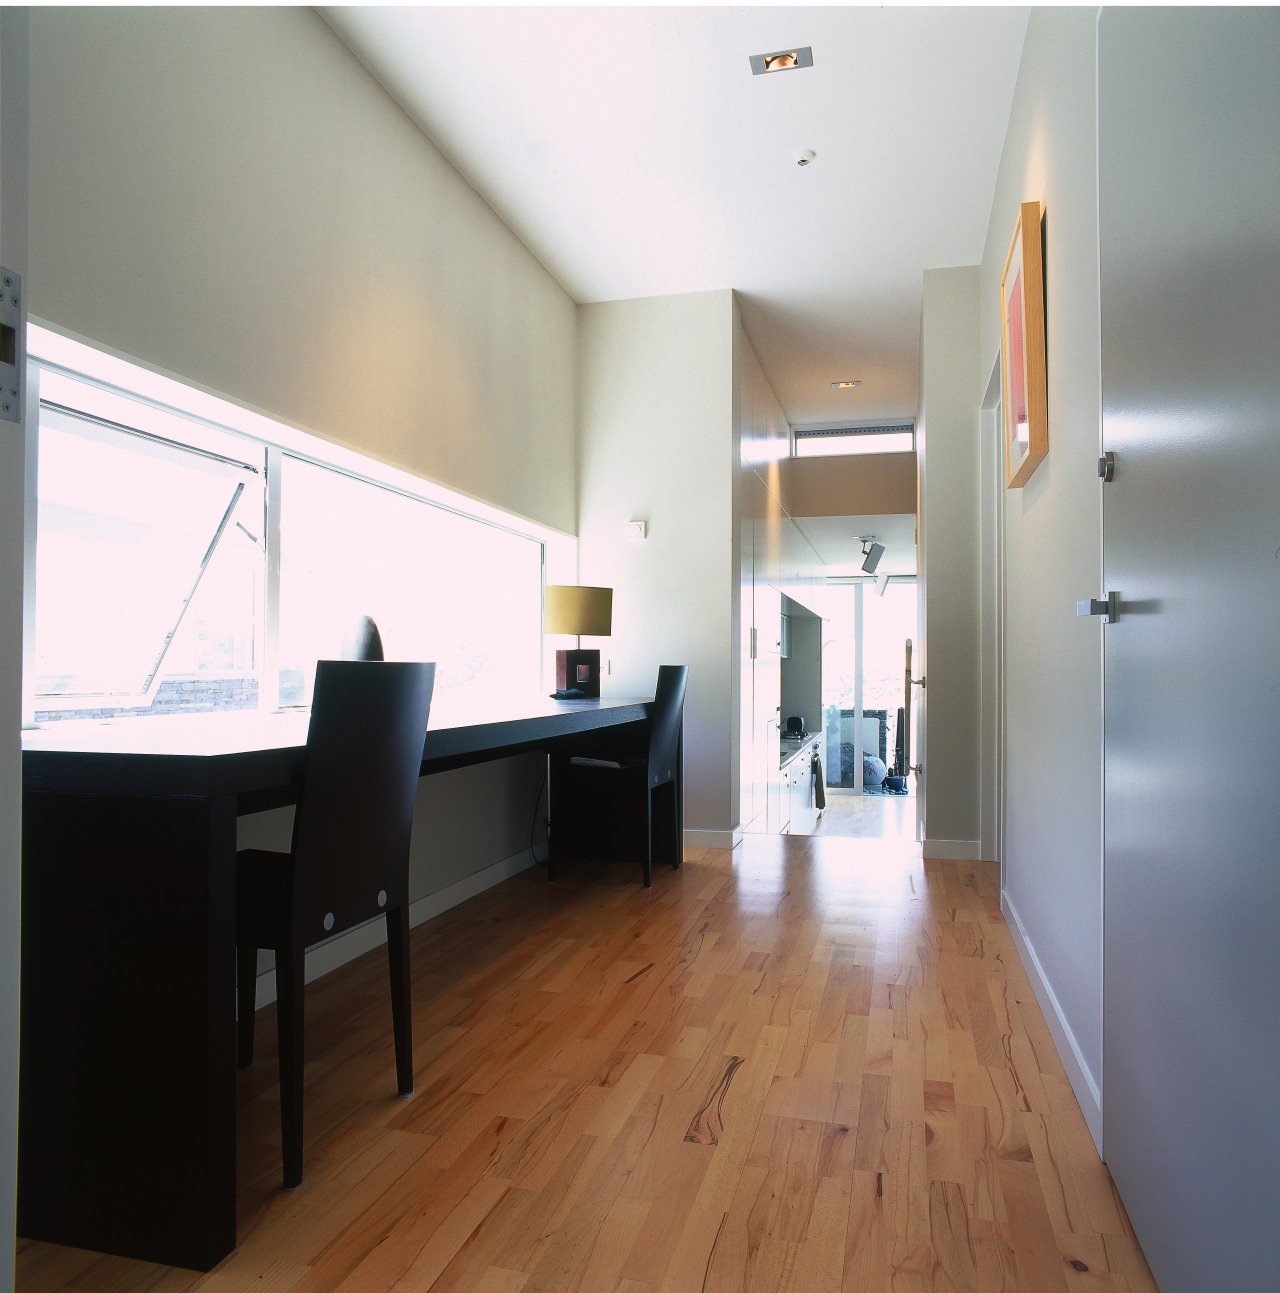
{"x":635,"y":154}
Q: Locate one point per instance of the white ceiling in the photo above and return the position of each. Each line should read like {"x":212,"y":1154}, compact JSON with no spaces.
{"x":632,"y":150}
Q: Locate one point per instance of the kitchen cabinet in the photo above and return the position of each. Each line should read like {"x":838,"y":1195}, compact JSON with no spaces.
{"x":797,"y":811}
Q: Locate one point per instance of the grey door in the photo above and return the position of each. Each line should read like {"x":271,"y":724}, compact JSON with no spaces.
{"x":1189,"y":211}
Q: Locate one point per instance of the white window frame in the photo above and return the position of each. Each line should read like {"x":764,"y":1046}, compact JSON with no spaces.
{"x":174,"y":441}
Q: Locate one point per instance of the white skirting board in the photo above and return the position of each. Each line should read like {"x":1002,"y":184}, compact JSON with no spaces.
{"x":346,"y":947}
{"x":713,"y":839}
{"x":953,"y":850}
{"x":1088,"y":1096}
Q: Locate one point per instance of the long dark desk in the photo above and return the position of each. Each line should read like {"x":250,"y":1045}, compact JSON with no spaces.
{"x":127,"y":1103}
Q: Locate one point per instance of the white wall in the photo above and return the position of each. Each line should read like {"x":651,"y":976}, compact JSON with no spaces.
{"x":227,"y":195}
{"x":1053,"y":662}
{"x":13,"y":252}
{"x":949,"y":452}
{"x":659,"y":444}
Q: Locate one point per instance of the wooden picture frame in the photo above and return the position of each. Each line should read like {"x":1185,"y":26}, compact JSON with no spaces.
{"x":1025,"y":398}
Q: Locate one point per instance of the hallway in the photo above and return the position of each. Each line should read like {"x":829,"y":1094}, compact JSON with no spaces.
{"x":808,"y":1064}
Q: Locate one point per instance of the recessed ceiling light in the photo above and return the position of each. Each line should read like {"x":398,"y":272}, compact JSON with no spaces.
{"x":844,"y":386}
{"x":782,"y":60}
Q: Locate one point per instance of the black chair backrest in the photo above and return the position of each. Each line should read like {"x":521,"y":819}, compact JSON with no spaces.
{"x":355,"y":813}
{"x":668,"y":719}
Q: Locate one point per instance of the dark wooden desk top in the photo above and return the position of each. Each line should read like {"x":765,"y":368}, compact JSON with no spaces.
{"x":259,"y":756}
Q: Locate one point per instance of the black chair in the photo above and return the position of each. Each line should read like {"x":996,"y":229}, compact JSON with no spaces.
{"x":349,"y":860}
{"x":622,"y":795}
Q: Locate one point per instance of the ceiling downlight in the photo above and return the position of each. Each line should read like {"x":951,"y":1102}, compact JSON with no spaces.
{"x":782,"y":60}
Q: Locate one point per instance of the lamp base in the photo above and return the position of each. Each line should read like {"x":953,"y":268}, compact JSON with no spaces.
{"x":577,"y":675}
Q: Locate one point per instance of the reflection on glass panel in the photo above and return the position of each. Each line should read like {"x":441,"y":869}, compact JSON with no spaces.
{"x":145,"y":563}
{"x":440,"y":586}
{"x":887,"y":623}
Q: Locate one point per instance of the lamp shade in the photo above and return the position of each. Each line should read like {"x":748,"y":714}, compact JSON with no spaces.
{"x":578,"y":610}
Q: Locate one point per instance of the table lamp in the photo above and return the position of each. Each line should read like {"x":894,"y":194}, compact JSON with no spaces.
{"x":578,"y":610}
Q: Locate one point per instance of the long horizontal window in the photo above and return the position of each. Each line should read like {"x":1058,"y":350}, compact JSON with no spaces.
{"x":149,"y":559}
{"x":183,"y":566}
{"x":826,"y":442}
{"x":440,"y":586}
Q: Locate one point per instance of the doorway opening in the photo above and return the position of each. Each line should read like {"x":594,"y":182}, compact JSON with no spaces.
{"x":867,"y":716}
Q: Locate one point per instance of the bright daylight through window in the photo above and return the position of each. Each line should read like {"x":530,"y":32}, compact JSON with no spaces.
{"x":155,"y":536}
{"x":440,"y":586}
{"x":822,"y":442}
{"x":148,"y":558}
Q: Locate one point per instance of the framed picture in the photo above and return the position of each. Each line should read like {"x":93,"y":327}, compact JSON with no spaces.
{"x":1026,"y":406}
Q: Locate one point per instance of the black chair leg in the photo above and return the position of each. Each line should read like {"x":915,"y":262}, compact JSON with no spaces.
{"x":677,"y":807}
{"x":401,"y":1007}
{"x":648,"y":839}
{"x":246,"y":1002}
{"x":671,"y":831}
{"x":290,"y":963}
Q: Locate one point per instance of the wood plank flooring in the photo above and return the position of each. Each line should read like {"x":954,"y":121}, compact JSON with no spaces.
{"x":810,"y":1064}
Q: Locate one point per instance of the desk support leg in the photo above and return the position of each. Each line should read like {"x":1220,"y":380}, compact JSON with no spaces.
{"x":127,"y":1114}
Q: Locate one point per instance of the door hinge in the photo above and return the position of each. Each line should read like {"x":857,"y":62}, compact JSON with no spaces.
{"x":1107,"y":468}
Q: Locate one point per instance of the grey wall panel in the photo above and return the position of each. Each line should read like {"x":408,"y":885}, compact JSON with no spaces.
{"x":1189,"y":196}
{"x":13,"y":255}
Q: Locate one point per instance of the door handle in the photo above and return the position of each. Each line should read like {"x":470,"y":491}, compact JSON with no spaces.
{"x":1108,"y":608}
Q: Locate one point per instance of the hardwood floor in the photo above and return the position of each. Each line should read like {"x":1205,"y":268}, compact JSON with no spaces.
{"x":810,"y":1064}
